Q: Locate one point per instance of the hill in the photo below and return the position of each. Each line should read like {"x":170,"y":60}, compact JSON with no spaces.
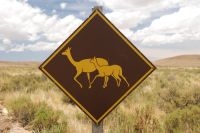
{"x":180,"y":61}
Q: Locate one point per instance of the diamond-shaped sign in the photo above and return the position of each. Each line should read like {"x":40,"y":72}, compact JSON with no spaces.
{"x":97,"y":66}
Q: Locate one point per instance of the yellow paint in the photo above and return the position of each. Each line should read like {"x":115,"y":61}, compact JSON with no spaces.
{"x":105,"y":71}
{"x":83,"y":65}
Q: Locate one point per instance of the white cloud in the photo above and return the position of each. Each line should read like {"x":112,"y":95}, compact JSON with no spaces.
{"x":38,"y":46}
{"x":163,"y":22}
{"x":57,"y":30}
{"x":63,"y":5}
{"x":6,"y":41}
{"x":131,"y":13}
{"x":173,"y":28}
{"x":19,"y":22}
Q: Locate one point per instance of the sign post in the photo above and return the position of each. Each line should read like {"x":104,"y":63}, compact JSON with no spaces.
{"x":97,"y":128}
{"x":97,"y":67}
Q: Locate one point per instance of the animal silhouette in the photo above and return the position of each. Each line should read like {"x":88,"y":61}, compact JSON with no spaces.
{"x":105,"y":71}
{"x":83,"y":66}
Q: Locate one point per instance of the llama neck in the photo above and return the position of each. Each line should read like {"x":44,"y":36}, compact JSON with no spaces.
{"x":71,"y":59}
{"x":96,"y":65}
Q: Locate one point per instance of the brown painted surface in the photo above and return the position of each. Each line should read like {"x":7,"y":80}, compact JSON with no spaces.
{"x":97,"y":39}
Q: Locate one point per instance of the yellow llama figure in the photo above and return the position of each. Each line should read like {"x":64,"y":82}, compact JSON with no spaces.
{"x":105,"y":71}
{"x":83,"y":65}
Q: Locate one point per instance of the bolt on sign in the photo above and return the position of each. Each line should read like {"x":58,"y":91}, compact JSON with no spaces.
{"x":97,"y":66}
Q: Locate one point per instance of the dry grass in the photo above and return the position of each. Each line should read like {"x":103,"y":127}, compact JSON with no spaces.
{"x":151,"y":108}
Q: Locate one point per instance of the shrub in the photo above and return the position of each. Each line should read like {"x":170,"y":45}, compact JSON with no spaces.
{"x":140,"y":120}
{"x":37,"y":116}
{"x":23,"y":109}
{"x":145,"y":121}
{"x":44,"y":118}
{"x":183,"y":120}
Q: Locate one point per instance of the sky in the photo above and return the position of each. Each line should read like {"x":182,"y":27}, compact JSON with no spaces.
{"x":30,"y":30}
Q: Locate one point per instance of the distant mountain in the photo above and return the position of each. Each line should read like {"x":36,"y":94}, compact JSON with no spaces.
{"x":180,"y":61}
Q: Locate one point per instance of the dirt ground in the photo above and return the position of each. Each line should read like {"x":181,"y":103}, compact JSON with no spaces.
{"x":7,"y":124}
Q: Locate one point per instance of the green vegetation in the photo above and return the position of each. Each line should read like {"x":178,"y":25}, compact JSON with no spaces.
{"x":167,"y":102}
{"x":38,"y":116}
{"x":184,"y":120}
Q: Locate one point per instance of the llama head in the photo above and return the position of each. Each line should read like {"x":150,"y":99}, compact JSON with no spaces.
{"x":67,"y":51}
{"x":93,"y":60}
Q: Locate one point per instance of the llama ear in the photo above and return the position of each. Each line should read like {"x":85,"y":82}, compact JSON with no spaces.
{"x":68,"y":49}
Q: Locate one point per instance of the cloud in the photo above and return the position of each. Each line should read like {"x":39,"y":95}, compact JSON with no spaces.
{"x":6,"y":41}
{"x":157,"y":26}
{"x":177,"y":27}
{"x":25,"y":25}
{"x":63,"y":5}
{"x":131,"y":13}
{"x":174,"y":27}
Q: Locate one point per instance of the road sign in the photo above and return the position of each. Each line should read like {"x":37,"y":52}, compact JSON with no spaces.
{"x":97,"y":66}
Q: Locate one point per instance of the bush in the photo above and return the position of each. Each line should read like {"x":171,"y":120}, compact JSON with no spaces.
{"x":145,"y":121}
{"x":177,"y":95}
{"x":37,"y":116}
{"x":44,"y":118}
{"x":141,"y":120}
{"x":183,"y":120}
{"x":23,"y":110}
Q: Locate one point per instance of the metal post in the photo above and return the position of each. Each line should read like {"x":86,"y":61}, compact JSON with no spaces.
{"x":98,"y":7}
{"x":97,"y":128}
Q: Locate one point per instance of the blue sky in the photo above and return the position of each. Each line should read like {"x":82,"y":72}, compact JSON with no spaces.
{"x":30,"y":30}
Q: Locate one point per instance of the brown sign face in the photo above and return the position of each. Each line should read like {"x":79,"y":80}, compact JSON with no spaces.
{"x":97,"y":67}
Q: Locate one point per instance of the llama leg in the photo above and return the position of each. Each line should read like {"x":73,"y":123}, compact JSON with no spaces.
{"x":94,"y":79}
{"x":106,"y":83}
{"x":118,"y":78}
{"x":88,"y":76}
{"x":125,"y":80}
{"x":119,"y":81}
{"x":115,"y":79}
{"x":77,"y":74}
